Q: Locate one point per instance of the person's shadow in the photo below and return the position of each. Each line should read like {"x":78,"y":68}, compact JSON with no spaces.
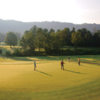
{"x":73,"y":71}
{"x":43,"y":73}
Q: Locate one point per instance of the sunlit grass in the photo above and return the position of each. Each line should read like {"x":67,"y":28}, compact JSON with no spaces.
{"x":19,"y":81}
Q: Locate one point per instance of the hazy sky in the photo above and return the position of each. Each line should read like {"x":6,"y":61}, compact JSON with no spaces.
{"x":75,"y":11}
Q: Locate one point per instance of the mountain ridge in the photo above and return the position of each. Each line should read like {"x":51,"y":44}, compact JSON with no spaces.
{"x":20,"y":27}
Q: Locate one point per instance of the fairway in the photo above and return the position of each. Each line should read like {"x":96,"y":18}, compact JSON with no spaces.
{"x":19,"y":81}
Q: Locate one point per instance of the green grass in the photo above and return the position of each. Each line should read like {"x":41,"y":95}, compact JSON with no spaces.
{"x":19,"y":81}
{"x":88,"y":91}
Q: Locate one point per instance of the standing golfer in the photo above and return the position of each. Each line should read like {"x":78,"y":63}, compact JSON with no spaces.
{"x":79,"y":61}
{"x":34,"y":65}
{"x":62,"y":65}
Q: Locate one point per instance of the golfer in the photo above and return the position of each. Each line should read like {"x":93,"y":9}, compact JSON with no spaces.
{"x":62,"y":65}
{"x":34,"y":65}
{"x":79,"y":61}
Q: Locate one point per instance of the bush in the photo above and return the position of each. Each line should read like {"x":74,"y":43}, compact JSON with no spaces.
{"x":17,"y":52}
{"x":6,"y":52}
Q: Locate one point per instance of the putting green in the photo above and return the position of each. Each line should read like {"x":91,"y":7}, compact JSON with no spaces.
{"x":19,"y":75}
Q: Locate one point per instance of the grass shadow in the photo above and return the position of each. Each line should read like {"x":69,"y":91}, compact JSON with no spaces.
{"x":43,"y":73}
{"x":20,"y":58}
{"x":47,"y":58}
{"x":73,"y":71}
{"x":37,"y":57}
{"x":90,"y":62}
{"x":56,"y":58}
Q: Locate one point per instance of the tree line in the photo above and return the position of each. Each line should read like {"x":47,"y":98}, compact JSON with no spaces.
{"x":52,"y":41}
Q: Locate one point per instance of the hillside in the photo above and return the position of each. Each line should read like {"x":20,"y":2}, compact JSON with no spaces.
{"x":20,"y":27}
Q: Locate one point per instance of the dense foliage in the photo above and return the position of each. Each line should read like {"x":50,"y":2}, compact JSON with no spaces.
{"x":11,"y":39}
{"x":53,"y":42}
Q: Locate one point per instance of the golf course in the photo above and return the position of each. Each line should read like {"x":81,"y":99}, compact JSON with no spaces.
{"x":19,"y":81}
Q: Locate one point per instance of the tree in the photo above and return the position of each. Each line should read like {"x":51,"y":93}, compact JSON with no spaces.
{"x":11,"y":39}
{"x":73,"y":30}
{"x":52,"y":45}
{"x":40,"y":38}
{"x":64,"y":36}
{"x":77,"y":39}
{"x":87,"y":37}
{"x":51,"y":30}
{"x":34,"y":29}
{"x":27,"y":41}
{"x":96,"y":38}
{"x":45,"y":31}
{"x":48,"y":40}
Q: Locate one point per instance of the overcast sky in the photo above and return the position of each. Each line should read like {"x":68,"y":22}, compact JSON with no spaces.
{"x":75,"y":11}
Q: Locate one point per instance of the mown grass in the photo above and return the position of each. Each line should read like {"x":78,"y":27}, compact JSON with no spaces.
{"x":19,"y":81}
{"x":88,"y":91}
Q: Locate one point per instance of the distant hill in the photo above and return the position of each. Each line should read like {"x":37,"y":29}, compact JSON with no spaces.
{"x":20,"y":27}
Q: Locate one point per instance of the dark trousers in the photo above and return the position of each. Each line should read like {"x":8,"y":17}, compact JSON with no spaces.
{"x":62,"y":67}
{"x":79,"y":63}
